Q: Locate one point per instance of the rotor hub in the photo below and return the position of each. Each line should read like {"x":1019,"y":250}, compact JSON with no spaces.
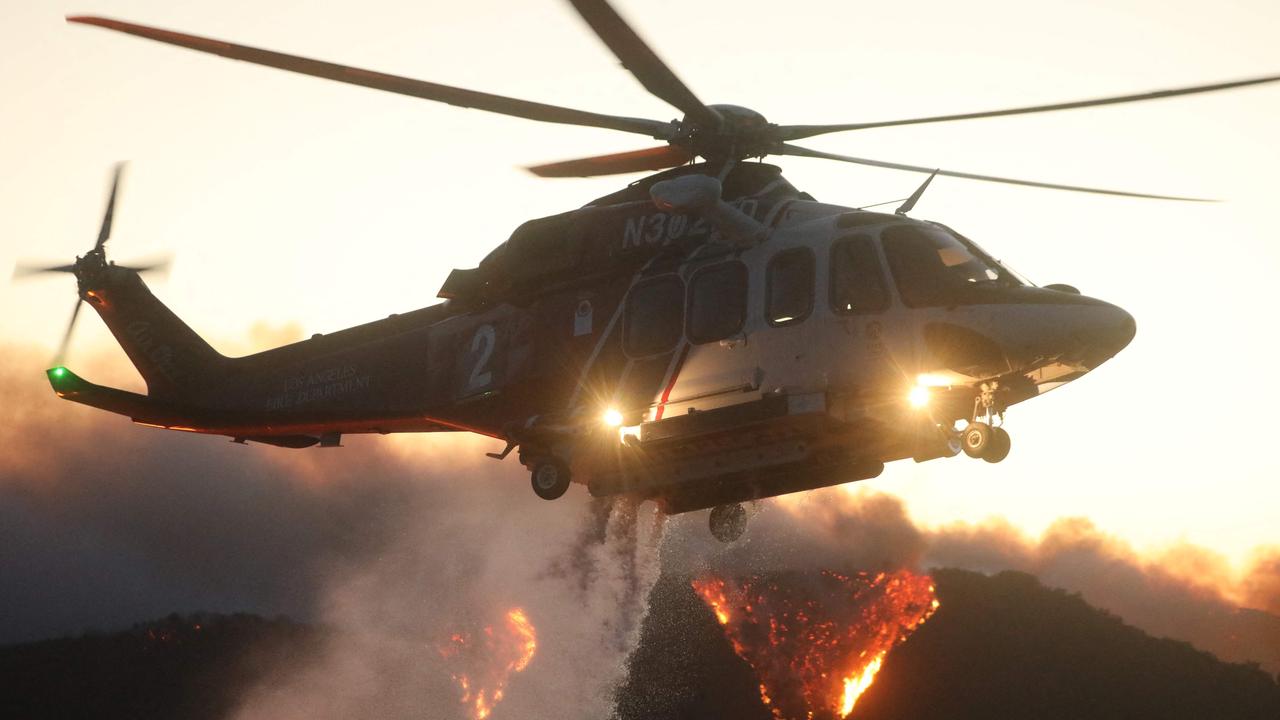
{"x":736,"y":116}
{"x":742,"y":133}
{"x":90,"y":269}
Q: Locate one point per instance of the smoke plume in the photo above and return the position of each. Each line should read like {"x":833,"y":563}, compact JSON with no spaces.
{"x":394,"y":543}
{"x":1187,"y":593}
{"x":397,"y":543}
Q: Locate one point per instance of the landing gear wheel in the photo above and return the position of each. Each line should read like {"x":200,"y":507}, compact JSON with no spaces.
{"x":998,"y":448}
{"x":550,"y":479}
{"x":728,"y":522}
{"x":976,"y":439}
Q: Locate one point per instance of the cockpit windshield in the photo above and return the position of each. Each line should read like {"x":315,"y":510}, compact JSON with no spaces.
{"x":932,"y":266}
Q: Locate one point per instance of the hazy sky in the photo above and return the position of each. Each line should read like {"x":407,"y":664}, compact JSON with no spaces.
{"x":295,"y":200}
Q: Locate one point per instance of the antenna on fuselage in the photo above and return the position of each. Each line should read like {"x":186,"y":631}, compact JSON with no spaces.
{"x":907,"y":206}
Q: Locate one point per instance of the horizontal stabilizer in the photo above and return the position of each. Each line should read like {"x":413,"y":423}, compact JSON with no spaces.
{"x":141,"y":408}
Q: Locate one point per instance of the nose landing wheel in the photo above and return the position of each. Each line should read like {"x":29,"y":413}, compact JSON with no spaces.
{"x":728,"y":522}
{"x":981,"y":440}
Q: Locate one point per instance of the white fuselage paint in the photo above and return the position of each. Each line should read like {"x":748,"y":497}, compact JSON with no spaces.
{"x":880,"y":352}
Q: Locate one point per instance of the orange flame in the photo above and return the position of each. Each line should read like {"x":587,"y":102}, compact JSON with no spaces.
{"x":816,"y":643}
{"x":488,"y":659}
{"x":855,"y":685}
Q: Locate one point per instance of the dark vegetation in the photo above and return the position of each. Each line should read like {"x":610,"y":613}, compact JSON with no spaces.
{"x":1001,"y":646}
{"x":189,"y":667}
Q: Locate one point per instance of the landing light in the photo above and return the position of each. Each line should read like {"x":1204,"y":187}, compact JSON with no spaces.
{"x":919,"y":396}
{"x":612,"y":418}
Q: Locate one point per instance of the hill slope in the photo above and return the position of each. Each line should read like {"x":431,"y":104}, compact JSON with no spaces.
{"x":1001,"y":646}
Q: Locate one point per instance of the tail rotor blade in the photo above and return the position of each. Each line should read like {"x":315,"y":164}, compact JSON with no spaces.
{"x":105,"y":232}
{"x":21,"y":271}
{"x":66,"y":338}
{"x":159,"y":265}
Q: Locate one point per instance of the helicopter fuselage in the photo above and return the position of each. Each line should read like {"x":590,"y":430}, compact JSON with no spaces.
{"x":643,"y":352}
{"x":704,"y":336}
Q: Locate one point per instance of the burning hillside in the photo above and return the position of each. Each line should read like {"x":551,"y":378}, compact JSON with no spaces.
{"x":484,"y":661}
{"x":817,"y":642}
{"x":1004,"y":646}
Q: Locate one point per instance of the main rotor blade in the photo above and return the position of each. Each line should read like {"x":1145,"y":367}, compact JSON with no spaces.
{"x":105,"y":232}
{"x":796,"y":132}
{"x":658,"y":158}
{"x":26,"y":270}
{"x":66,"y":338}
{"x":390,"y":83}
{"x":642,"y":62}
{"x":805,"y":152}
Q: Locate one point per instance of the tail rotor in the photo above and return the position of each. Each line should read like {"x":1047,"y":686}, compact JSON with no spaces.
{"x":85,"y":265}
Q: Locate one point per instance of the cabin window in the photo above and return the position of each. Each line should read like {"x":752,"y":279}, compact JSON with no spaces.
{"x":717,"y":302}
{"x":932,"y":267}
{"x":789,"y":287}
{"x":857,"y":281}
{"x":654,"y":320}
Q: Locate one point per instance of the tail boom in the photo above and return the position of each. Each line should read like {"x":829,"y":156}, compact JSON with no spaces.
{"x":298,"y":432}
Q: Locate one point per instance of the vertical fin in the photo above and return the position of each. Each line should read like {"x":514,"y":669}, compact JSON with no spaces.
{"x":170,"y":356}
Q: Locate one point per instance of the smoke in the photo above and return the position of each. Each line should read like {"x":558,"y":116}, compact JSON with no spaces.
{"x":103,"y":523}
{"x":391,"y":543}
{"x":1186,"y":593}
{"x":823,"y":530}
{"x":395,"y":543}
{"x":263,"y":336}
{"x":458,"y":563}
{"x":1261,"y":587}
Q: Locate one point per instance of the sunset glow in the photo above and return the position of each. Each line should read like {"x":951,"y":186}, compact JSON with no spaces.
{"x":292,"y":202}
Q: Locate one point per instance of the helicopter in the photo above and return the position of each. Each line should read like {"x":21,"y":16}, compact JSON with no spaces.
{"x":706,"y":336}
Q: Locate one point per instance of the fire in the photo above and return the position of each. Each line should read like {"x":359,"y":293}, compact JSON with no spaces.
{"x":485,"y":660}
{"x":855,"y":685}
{"x":817,"y":642}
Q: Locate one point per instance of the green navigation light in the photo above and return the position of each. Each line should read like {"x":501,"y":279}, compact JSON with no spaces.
{"x":61,"y":379}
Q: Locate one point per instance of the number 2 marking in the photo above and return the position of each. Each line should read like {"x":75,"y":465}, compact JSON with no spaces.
{"x":482,"y":342}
